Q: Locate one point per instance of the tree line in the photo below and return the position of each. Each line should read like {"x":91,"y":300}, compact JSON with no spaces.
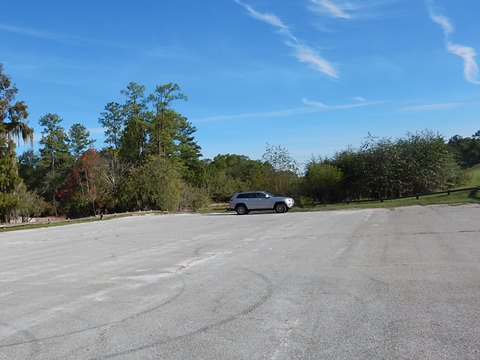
{"x":150,"y":160}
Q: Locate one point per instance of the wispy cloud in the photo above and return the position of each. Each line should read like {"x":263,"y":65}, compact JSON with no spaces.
{"x":443,"y":21}
{"x":314,"y":103}
{"x":467,"y":53}
{"x":349,"y":10}
{"x":313,"y":107}
{"x":29,"y":32}
{"x":40,"y":34}
{"x":57,"y":37}
{"x":270,"y":19}
{"x":321,"y":106}
{"x":257,"y":115}
{"x":330,"y":8}
{"x":302,"y":52}
{"x":359,"y":98}
{"x":307,"y":55}
{"x":432,"y":107}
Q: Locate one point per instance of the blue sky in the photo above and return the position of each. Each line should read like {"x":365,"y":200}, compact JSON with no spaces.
{"x":311,"y":75}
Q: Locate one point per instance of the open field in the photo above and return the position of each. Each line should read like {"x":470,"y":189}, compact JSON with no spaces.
{"x":362,"y":284}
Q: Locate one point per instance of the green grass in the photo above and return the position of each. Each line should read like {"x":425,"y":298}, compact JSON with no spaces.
{"x":459,"y":198}
{"x":474,"y":176}
{"x":214,"y":208}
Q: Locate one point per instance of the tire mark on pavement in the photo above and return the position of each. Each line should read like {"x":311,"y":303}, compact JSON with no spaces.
{"x":268,"y":294}
{"x":33,"y":339}
{"x":353,"y":303}
{"x":354,"y":238}
{"x":177,"y":271}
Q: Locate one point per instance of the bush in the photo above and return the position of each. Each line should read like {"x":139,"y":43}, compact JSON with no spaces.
{"x":194,"y":198}
{"x":322,"y":181}
{"x":155,"y":185}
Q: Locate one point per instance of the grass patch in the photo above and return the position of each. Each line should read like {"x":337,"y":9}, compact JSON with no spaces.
{"x":474,"y":176}
{"x":214,"y":208}
{"x":458,"y":198}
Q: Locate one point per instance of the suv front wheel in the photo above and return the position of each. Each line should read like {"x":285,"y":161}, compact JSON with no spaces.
{"x":241,"y":209}
{"x":280,"y":208}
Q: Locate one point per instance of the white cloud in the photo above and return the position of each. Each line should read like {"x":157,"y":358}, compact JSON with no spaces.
{"x":302,"y":52}
{"x":270,"y":19}
{"x":313,"y":103}
{"x":470,"y":67}
{"x":32,"y":32}
{"x":256,"y":115}
{"x":432,"y":107}
{"x":330,"y":8}
{"x":443,"y":21}
{"x":307,"y":55}
{"x":313,"y":107}
{"x":359,"y":98}
{"x":350,"y":10}
{"x":322,"y":106}
{"x":40,"y":34}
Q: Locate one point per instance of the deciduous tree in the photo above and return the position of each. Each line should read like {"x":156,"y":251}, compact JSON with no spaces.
{"x":321,"y":180}
{"x":155,"y":185}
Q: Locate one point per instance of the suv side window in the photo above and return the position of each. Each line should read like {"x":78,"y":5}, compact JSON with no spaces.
{"x":246,"y":196}
{"x":261,"y":195}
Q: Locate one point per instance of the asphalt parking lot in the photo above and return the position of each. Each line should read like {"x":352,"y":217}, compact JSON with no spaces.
{"x":363,"y":284}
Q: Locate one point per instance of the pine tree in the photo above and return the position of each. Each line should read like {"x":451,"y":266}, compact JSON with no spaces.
{"x":55,"y":160}
{"x":79,"y":140}
{"x":134,"y":138}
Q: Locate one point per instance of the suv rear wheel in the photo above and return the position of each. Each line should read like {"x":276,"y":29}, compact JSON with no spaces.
{"x":280,"y":208}
{"x":241,"y":209}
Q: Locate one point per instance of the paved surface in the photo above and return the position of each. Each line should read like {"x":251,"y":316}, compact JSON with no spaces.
{"x":367,"y":284}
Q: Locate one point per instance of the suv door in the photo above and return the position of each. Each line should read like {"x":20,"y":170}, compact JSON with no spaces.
{"x":264,"y":201}
{"x":249,"y":199}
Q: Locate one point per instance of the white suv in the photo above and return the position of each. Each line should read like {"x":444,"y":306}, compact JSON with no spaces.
{"x":243,"y":202}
